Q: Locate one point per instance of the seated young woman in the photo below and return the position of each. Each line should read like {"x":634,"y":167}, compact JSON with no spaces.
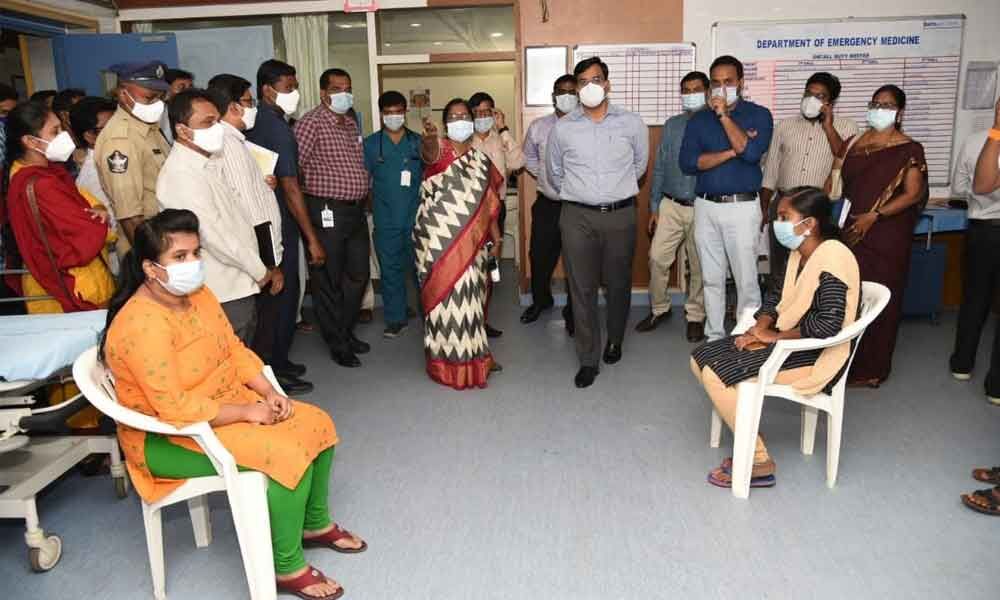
{"x":819,"y":298}
{"x":174,"y":356}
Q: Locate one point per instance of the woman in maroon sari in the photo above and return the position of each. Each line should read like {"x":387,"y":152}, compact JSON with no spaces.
{"x":457,"y":217}
{"x":885,"y":178}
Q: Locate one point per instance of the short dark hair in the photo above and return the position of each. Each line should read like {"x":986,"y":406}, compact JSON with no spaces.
{"x":827,"y":80}
{"x":43,"y":96}
{"x":7,"y":92}
{"x":727,"y":60}
{"x":27,"y":118}
{"x":696,"y":76}
{"x":897,"y":93}
{"x":227,"y":89}
{"x":391,"y":98}
{"x":182,"y":106}
{"x":83,"y":115}
{"x":65,"y":99}
{"x":453,"y":102}
{"x":172,"y":75}
{"x":567,"y":78}
{"x":324,"y":79}
{"x":480,"y":97}
{"x":270,"y":71}
{"x":586,"y":63}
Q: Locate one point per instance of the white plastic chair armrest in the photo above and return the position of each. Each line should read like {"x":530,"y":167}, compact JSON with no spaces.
{"x":205,"y":437}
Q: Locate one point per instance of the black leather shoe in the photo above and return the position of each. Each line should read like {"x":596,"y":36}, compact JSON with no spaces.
{"x":585,"y":377}
{"x":290,"y":369}
{"x":531,"y":314}
{"x":492,"y":332}
{"x":612,"y":353}
{"x":359,"y":347}
{"x":695,"y":332}
{"x":652,"y":322}
{"x":346,"y":359}
{"x":293,"y":385}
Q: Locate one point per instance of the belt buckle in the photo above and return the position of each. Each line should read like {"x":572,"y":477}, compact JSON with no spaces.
{"x":605,"y":208}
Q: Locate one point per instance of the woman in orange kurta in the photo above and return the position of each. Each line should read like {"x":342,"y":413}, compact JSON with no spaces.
{"x":175,"y":357}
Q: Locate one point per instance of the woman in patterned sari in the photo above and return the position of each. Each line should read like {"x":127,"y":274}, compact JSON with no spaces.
{"x":457,"y":217}
{"x":885,"y":178}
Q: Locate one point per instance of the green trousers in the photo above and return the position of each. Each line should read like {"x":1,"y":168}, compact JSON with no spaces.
{"x":291,"y":511}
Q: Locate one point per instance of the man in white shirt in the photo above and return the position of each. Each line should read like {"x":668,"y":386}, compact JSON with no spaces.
{"x":191,"y":178}
{"x":87,"y":118}
{"x":977,"y":179}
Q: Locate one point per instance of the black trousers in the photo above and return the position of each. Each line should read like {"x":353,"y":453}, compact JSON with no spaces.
{"x":544,"y":251}
{"x":339,"y":284}
{"x":980,"y":278}
{"x":277,"y":315}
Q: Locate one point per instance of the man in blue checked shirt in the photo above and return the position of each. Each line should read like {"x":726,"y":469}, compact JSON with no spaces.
{"x":723,"y":147}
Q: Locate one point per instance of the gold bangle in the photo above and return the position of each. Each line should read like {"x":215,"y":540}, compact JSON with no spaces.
{"x":994,"y":135}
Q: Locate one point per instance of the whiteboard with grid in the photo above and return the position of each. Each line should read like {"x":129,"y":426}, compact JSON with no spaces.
{"x":645,"y":78}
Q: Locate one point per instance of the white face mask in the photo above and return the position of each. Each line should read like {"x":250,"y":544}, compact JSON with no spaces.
{"x":459,"y":131}
{"x":183,"y":278}
{"x":483,"y":124}
{"x":693,"y":101}
{"x":341,"y":102}
{"x":59,"y":148}
{"x":147,"y":113}
{"x":811,"y":106}
{"x":592,"y":95}
{"x":288,"y":101}
{"x":210,"y":140}
{"x":393,"y":122}
{"x":731,"y":94}
{"x":565,"y":103}
{"x":249,"y":117}
{"x":881,"y":118}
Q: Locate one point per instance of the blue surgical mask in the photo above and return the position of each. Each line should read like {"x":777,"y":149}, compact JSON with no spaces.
{"x":732,"y":94}
{"x":459,"y":131}
{"x":693,"y":101}
{"x":881,"y":118}
{"x":183,"y":278}
{"x":341,"y":102}
{"x":784,"y":231}
{"x":393,"y":122}
{"x":484,"y":124}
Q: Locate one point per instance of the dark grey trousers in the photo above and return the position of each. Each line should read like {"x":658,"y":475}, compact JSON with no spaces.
{"x":598,"y":248}
{"x":242,"y":315}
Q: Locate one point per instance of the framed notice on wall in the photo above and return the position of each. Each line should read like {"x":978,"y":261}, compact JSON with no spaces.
{"x":542,"y":66}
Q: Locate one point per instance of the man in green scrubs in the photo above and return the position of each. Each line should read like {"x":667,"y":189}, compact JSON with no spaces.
{"x":392,"y":157}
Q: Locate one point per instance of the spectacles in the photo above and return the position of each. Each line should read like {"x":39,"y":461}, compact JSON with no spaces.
{"x":883,"y":105}
{"x":458,"y":117}
{"x":598,"y":79}
{"x":820,"y":97}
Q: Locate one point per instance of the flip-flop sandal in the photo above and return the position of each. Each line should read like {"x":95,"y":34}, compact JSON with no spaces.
{"x":310,"y":577}
{"x":991,"y":475}
{"x":327,"y":541}
{"x":992,"y":504}
{"x":727,"y":466}
{"x":755,"y":482}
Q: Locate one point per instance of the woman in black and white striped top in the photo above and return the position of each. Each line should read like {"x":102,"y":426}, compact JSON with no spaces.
{"x":813,"y":303}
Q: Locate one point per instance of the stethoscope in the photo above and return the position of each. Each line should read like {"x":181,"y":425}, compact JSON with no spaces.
{"x":409,"y":135}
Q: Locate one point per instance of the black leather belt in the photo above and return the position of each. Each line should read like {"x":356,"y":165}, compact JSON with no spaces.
{"x":542,"y":196}
{"x":337,"y":201}
{"x":609,"y":207}
{"x":683,"y":201}
{"x":726,"y":198}
{"x":985,"y":222}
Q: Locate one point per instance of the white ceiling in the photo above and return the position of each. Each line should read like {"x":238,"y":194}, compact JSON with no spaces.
{"x":482,"y":29}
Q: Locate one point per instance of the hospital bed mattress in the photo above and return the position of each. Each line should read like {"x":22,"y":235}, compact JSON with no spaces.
{"x":36,"y":346}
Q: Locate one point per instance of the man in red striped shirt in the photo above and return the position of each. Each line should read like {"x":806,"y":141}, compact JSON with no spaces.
{"x":335,"y":182}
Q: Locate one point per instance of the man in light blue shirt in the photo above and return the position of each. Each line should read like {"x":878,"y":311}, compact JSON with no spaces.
{"x":594,"y":159}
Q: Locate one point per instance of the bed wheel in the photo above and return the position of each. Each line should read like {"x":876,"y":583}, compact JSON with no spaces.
{"x":45,"y":557}
{"x":121,"y":486}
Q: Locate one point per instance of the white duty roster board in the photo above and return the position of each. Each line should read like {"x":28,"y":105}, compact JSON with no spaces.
{"x":922,"y":55}
{"x":645,"y":78}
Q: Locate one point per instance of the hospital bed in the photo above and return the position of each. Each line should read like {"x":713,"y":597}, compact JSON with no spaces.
{"x":36,"y":351}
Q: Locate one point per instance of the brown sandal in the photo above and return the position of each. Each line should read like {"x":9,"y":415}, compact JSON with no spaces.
{"x":327,"y":541}
{"x":989,"y":496}
{"x":987,"y":475}
{"x":310,"y":577}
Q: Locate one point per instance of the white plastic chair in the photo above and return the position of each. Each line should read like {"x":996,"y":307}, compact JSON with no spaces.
{"x":247,"y":491}
{"x":874,"y":298}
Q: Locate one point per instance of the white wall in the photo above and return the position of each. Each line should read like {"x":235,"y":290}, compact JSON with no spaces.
{"x":982,"y":41}
{"x":105,"y":17}
{"x":353,"y":58}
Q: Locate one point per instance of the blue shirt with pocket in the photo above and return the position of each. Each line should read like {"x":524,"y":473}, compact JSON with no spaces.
{"x":704,"y":134}
{"x":394,"y":204}
{"x":273,"y":132}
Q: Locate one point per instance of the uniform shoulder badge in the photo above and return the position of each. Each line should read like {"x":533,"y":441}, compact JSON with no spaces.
{"x":117,"y":162}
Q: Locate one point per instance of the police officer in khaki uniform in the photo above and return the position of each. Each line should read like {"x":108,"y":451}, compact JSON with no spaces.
{"x":131,"y":149}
